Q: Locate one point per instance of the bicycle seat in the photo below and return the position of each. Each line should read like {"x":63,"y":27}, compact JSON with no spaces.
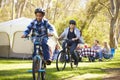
{"x":68,"y":47}
{"x":37,"y":43}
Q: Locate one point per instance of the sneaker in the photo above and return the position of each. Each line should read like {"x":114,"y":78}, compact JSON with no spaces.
{"x":75,"y":62}
{"x":48,"y":62}
{"x":100,"y":60}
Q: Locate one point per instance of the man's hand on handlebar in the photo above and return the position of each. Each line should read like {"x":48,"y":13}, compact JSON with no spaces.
{"x":74,"y":39}
{"x":49,"y":34}
{"x":59,"y":38}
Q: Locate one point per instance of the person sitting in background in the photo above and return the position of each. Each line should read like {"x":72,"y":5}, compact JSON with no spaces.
{"x":106,"y":51}
{"x":56,"y":51}
{"x":97,"y":48}
{"x":85,"y":45}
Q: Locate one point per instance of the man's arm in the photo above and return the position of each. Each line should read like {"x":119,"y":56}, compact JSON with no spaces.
{"x":62,"y":35}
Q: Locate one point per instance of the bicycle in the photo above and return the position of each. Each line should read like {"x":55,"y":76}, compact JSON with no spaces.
{"x":38,"y":65}
{"x":63,"y":58}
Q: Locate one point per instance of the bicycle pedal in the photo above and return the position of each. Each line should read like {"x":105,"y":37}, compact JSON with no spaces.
{"x":29,"y":71}
{"x":41,"y":70}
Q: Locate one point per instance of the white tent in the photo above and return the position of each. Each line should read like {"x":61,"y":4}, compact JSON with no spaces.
{"x":11,"y":43}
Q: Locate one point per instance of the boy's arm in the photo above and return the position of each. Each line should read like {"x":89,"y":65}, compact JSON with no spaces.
{"x":29,"y":28}
{"x":50,"y":28}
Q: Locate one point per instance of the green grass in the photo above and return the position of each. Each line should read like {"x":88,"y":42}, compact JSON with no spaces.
{"x":15,"y":69}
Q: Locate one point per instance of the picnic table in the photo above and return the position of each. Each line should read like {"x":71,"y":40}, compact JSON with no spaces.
{"x":87,"y":52}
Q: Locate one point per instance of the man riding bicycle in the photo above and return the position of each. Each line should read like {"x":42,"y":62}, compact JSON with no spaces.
{"x":40,"y":26}
{"x":71,"y":35}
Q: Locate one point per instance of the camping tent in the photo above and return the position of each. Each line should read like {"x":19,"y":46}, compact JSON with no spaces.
{"x":11,"y":43}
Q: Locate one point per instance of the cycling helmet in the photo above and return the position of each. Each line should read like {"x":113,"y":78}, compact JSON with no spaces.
{"x":40,"y":10}
{"x":72,"y":22}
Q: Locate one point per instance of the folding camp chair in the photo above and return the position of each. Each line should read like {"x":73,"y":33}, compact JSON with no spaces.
{"x":111,"y":55}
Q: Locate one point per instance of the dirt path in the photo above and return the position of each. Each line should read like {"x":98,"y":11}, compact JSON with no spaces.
{"x":112,"y":74}
{"x":84,"y":77}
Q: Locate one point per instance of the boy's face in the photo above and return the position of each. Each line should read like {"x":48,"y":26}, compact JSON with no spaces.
{"x":39,"y":16}
{"x":72,"y":26}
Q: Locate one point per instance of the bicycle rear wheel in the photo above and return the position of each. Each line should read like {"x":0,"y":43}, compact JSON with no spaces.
{"x":61,"y":61}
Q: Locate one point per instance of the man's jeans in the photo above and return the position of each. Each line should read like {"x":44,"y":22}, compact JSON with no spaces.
{"x":99,"y":55}
{"x":73,"y":46}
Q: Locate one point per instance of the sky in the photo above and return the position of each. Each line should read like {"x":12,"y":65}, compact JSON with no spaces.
{"x":83,"y":3}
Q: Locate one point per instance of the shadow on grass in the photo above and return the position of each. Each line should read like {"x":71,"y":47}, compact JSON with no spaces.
{"x":12,"y":72}
{"x":74,"y":72}
{"x":18,"y":78}
{"x":12,"y":61}
{"x":115,"y":63}
{"x":51,"y":73}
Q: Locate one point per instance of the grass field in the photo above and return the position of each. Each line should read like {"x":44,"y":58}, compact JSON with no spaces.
{"x":15,"y":69}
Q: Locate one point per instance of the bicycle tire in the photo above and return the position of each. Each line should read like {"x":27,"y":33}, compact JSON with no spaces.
{"x":35,"y":67}
{"x":43,"y":74}
{"x":72,"y":62}
{"x":61,"y":61}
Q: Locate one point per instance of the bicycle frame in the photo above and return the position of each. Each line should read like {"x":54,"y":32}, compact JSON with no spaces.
{"x":67,"y":59}
{"x":38,"y":60}
{"x":39,"y":53}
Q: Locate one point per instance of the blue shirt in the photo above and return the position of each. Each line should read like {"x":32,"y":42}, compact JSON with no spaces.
{"x":40,"y":28}
{"x":96,"y":47}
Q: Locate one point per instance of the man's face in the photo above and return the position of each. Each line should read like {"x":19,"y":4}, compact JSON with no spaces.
{"x":95,"y":42}
{"x":72,"y":26}
{"x":39,"y":16}
{"x":105,"y":44}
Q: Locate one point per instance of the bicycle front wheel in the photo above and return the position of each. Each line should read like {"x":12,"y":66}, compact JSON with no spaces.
{"x":41,"y":75}
{"x":61,"y":61}
{"x":35,"y":68}
{"x":43,"y":68}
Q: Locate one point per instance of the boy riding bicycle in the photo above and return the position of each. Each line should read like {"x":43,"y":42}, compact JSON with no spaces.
{"x":40,"y":26}
{"x":73,"y":35}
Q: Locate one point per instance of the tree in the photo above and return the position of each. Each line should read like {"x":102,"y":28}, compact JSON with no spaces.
{"x":113,"y":8}
{"x":115,"y":5}
{"x":13,"y":10}
{"x":92,"y":10}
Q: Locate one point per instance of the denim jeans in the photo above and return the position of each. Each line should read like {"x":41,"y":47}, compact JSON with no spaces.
{"x":107,"y":56}
{"x":99,"y":55}
{"x":73,"y":46}
{"x":45,"y":49}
